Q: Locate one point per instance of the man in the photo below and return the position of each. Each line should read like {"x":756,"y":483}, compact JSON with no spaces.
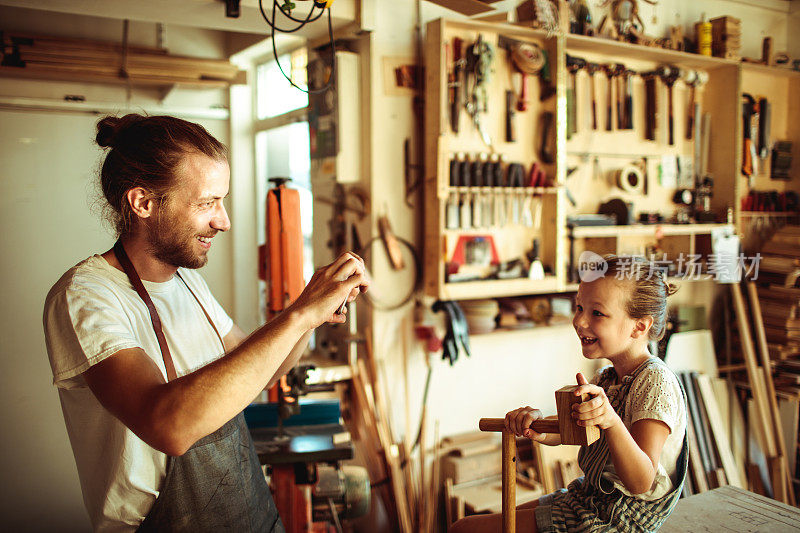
{"x":152,"y":374}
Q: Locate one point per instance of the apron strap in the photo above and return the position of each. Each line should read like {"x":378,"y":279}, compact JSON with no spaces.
{"x":208,"y":317}
{"x":133,"y":276}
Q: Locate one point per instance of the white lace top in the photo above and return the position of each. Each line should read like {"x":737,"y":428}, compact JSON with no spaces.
{"x":655,"y":394}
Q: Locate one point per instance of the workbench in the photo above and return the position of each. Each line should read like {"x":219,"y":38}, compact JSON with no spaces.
{"x":732,"y":509}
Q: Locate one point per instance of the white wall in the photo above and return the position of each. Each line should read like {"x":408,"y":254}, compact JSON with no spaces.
{"x":51,"y":221}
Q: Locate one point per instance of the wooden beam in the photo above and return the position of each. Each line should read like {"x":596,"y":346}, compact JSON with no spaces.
{"x":758,"y":326}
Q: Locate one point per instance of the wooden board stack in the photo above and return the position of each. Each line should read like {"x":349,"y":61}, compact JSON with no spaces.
{"x":779,"y":294}
{"x":45,"y":57}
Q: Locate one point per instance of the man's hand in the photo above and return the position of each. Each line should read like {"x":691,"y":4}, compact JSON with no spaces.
{"x":594,"y":412}
{"x":330,"y":285}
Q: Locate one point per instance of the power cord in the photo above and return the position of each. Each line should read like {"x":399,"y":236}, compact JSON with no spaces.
{"x":311,"y":17}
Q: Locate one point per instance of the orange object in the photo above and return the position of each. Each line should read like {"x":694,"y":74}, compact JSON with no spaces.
{"x":284,"y":259}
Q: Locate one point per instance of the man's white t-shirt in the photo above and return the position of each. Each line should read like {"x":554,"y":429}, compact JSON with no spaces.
{"x":91,"y":313}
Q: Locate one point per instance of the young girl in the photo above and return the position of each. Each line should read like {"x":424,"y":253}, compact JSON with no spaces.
{"x":634,"y":473}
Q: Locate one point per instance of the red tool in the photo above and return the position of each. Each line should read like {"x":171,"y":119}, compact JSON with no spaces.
{"x":537,"y":176}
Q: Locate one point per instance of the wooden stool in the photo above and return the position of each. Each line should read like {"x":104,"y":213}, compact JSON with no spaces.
{"x":564,"y":425}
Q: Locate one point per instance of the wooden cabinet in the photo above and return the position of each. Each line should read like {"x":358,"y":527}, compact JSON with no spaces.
{"x":586,"y":160}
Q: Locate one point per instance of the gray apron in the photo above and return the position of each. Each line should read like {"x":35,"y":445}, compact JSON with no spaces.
{"x":217,"y":485}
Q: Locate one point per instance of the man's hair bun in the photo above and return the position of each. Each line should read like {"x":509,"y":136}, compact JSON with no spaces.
{"x":109,"y":128}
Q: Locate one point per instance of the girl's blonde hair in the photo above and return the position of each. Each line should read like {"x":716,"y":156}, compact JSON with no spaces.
{"x":649,"y":290}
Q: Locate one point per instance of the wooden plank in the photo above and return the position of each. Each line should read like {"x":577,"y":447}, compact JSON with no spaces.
{"x":493,"y":17}
{"x":721,"y":438}
{"x":762,"y":421}
{"x":731,"y":509}
{"x":785,"y":492}
{"x":80,"y":44}
{"x":465,"y":7}
{"x":695,"y":462}
{"x":696,"y":420}
{"x":733,"y":421}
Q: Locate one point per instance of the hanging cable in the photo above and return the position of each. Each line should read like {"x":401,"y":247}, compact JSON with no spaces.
{"x":301,"y":23}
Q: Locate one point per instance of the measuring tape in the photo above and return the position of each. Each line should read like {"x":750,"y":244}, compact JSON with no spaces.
{"x":631,"y":179}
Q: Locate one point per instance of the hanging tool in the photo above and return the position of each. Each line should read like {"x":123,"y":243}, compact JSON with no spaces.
{"x":538,"y":180}
{"x":627,"y":99}
{"x":451,"y":207}
{"x":591,"y":69}
{"x":764,"y":111}
{"x":669,"y":75}
{"x":480,"y":55}
{"x":456,"y":338}
{"x":510,"y":112}
{"x":650,"y":107}
{"x":478,"y":182}
{"x":465,"y":201}
{"x":619,"y":72}
{"x":515,"y":181}
{"x":490,"y":196}
{"x":499,"y":209}
{"x":390,"y":244}
{"x":456,"y":83}
{"x":690,"y":80}
{"x":528,"y":58}
{"x":547,"y":140}
{"x":749,"y":118}
{"x":574,"y":64}
{"x":609,"y":71}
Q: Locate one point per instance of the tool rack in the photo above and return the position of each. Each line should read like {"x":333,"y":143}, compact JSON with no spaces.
{"x":781,"y":87}
{"x":572,"y":176}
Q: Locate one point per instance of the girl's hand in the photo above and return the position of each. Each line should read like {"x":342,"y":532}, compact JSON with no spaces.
{"x":596,"y":411}
{"x":519,"y":421}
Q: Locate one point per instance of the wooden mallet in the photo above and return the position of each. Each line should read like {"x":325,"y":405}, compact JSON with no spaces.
{"x":564,"y":425}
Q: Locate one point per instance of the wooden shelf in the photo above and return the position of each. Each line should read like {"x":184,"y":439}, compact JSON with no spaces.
{"x":645,"y":230}
{"x":771,"y":71}
{"x":532,"y":331}
{"x":572,"y":287}
{"x":770,"y":213}
{"x":504,"y":190}
{"x":473,"y":290}
{"x":138,"y":81}
{"x":618,"y":49}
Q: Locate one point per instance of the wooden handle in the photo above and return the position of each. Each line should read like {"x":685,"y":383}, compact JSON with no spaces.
{"x":543,"y":425}
{"x":509,"y":483}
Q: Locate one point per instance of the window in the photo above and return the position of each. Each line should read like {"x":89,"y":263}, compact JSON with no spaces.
{"x":274,"y":94}
{"x":282,"y":149}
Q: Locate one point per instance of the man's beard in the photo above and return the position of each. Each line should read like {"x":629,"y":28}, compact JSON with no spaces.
{"x":173,"y":245}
